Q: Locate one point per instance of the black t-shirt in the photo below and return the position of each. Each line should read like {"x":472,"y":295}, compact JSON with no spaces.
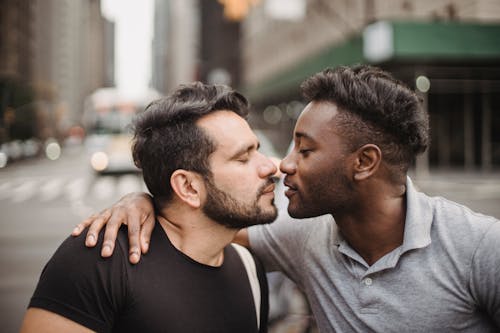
{"x":165,"y":292}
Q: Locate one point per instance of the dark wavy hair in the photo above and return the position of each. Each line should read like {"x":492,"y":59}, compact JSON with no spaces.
{"x":375,"y":108}
{"x":166,"y":137}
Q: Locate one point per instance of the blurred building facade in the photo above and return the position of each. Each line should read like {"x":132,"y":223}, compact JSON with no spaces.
{"x":16,"y":68}
{"x":54,"y":53}
{"x":451,"y":45}
{"x":176,"y":43}
{"x":193,"y":40}
{"x":220,"y":49}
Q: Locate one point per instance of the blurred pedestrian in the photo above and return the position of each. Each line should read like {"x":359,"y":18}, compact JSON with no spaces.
{"x":200,"y":162}
{"x":377,"y":255}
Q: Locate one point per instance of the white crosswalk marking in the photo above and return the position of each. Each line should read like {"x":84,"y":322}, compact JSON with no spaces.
{"x":5,"y":189}
{"x":77,"y":188}
{"x":127,"y":184}
{"x":51,"y":189}
{"x":103,"y":188}
{"x":81,"y":209}
{"x":45,"y":189}
{"x":26,"y":190}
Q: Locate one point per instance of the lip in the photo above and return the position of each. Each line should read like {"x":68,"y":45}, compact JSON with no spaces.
{"x":292,"y":189}
{"x":269,"y":189}
{"x":290,"y":193}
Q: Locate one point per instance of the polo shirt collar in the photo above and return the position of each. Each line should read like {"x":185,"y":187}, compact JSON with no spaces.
{"x":417,"y":232}
{"x":418,"y":219}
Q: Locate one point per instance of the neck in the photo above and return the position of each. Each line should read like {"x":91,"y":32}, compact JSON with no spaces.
{"x":376,"y":227}
{"x":195,"y":235}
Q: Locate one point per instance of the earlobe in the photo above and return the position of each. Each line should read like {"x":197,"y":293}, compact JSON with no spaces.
{"x":186,"y":186}
{"x":367,"y":162}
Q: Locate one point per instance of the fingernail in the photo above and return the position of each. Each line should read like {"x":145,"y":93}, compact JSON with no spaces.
{"x":76,"y":230}
{"x":134,"y":258}
{"x":106,"y":251}
{"x":90,"y":239}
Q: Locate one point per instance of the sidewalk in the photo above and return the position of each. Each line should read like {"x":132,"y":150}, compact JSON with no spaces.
{"x":479,"y":191}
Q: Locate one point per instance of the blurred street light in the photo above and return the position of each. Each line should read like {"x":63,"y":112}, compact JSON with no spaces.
{"x":236,"y":10}
{"x":99,"y":161}
{"x":290,"y":10}
{"x":52,"y":150}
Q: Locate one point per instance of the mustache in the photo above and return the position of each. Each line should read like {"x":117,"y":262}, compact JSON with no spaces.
{"x":270,"y":181}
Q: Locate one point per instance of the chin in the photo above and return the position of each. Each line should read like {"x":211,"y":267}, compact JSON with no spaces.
{"x":298,"y":213}
{"x":272,"y":215}
{"x":295,"y":213}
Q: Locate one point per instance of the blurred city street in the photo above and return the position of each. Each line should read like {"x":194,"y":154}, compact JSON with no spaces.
{"x":74,"y":73}
{"x":41,"y":201}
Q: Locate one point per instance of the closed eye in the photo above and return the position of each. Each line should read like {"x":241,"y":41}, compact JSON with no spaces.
{"x":244,"y":158}
{"x":305,"y":151}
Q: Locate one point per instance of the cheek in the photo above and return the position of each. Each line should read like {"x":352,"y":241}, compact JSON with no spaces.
{"x":240,"y":185}
{"x":312,"y":170}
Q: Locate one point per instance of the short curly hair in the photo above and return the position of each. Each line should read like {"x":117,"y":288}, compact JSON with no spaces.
{"x":375,"y":108}
{"x":166,"y":137}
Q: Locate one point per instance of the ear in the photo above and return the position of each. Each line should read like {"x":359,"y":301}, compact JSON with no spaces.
{"x":367,"y":161}
{"x":187,"y":185}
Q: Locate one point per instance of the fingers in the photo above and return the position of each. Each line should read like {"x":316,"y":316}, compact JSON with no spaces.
{"x":96,"y":226}
{"x":134,"y":228}
{"x":133,"y":209}
{"x":140,"y":227}
{"x":115,"y":221}
{"x":146,"y":231}
{"x":84,"y":224}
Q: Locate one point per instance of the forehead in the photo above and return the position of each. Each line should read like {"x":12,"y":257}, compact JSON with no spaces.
{"x":228,"y":130}
{"x":316,"y":120}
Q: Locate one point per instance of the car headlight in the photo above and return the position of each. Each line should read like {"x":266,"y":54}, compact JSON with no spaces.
{"x":3,"y":159}
{"x":99,"y":161}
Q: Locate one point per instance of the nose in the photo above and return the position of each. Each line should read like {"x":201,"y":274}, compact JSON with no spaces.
{"x":277,"y":163}
{"x":267,"y":168}
{"x":288,"y":165}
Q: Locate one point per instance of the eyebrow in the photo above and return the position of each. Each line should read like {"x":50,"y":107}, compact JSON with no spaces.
{"x":300,"y":135}
{"x":244,"y":149}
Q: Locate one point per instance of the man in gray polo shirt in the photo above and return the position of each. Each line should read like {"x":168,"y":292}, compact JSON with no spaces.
{"x":394,"y":259}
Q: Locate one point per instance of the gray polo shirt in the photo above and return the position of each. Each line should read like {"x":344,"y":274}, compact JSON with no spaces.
{"x":445,"y":277}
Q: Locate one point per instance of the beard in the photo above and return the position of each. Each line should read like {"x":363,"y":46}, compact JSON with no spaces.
{"x":332,"y":194}
{"x":234,"y":214}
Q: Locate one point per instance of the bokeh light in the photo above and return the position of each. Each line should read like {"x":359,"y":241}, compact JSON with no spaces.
{"x":423,"y":84}
{"x":99,"y":161}
{"x":53,"y":150}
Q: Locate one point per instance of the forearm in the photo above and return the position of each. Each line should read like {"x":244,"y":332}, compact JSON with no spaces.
{"x":42,"y":321}
{"x":242,"y":238}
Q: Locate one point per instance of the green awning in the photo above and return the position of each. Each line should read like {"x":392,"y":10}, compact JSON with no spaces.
{"x":288,"y":81}
{"x":384,"y":42}
{"x":446,"y":40}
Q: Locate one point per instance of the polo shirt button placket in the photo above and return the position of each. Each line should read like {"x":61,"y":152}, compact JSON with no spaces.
{"x":367,"y":282}
{"x":368,"y":306}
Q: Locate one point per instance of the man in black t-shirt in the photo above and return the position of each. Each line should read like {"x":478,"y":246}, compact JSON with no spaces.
{"x":200,"y":162}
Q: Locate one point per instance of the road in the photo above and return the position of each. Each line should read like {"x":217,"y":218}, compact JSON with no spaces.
{"x":41,"y":201}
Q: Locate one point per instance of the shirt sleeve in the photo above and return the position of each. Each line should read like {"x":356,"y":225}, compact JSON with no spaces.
{"x":485,"y":272}
{"x":77,"y":283}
